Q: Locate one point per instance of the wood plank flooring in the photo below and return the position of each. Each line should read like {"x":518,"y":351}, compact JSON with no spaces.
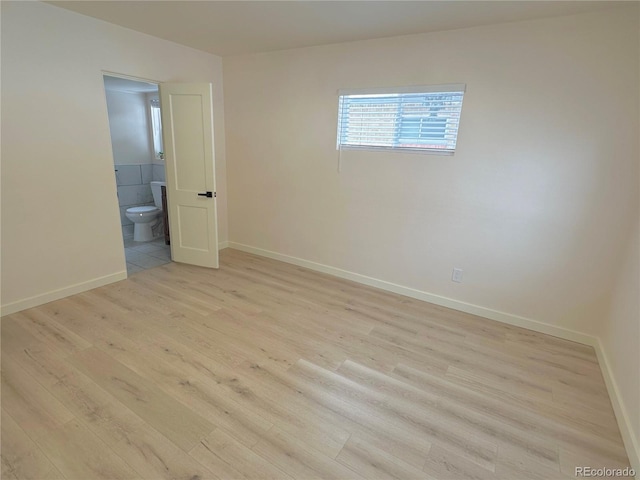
{"x":264,"y":370}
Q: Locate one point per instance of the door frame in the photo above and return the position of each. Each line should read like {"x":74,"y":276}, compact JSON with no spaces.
{"x":116,"y":204}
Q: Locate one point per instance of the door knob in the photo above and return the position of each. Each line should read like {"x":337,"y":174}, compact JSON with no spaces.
{"x":206,"y":194}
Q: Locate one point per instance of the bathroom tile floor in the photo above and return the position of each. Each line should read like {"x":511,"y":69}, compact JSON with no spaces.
{"x":143,"y":255}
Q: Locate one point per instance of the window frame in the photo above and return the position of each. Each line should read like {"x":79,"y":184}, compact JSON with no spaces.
{"x":398,"y":123}
{"x":155,"y":114}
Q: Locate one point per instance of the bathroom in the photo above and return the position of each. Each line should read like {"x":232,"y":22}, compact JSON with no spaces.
{"x":136,"y":138}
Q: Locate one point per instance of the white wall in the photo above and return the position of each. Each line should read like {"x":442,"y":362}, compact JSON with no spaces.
{"x":129,"y":124}
{"x":60,"y":223}
{"x":535,"y":205}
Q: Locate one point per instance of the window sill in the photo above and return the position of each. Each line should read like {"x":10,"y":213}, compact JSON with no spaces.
{"x":419,"y":151}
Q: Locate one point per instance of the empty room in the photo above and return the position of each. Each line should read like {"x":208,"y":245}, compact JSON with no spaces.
{"x":320,"y":240}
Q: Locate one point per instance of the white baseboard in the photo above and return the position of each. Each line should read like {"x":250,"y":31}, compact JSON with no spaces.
{"x":36,"y":300}
{"x":630,"y":442}
{"x":426,"y":296}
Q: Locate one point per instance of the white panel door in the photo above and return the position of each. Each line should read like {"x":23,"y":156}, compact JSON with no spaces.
{"x":187,"y":126}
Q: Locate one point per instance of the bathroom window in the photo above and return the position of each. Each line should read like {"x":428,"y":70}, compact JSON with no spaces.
{"x":156,"y":128}
{"x":423,"y":119}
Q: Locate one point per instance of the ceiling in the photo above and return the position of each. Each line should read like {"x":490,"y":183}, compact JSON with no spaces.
{"x":240,"y":27}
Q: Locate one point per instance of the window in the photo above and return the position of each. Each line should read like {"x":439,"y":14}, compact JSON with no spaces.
{"x":419,"y":119}
{"x":156,"y":128}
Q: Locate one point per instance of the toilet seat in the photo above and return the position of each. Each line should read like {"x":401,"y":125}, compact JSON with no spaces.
{"x":143,"y":210}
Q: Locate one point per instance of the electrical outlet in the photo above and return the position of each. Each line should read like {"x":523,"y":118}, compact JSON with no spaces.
{"x":457,"y":275}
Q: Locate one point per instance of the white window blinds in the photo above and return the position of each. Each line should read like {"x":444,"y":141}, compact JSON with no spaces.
{"x":421,"y":119}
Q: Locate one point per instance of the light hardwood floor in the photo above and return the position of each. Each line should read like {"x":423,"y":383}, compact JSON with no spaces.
{"x":266,"y":370}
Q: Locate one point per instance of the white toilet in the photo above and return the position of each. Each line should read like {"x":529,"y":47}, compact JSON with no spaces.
{"x":144,"y":217}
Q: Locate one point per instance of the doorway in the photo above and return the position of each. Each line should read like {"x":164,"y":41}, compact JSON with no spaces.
{"x":136,"y":137}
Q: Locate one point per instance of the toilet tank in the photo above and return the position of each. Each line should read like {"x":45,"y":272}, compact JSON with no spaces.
{"x":156,"y":191}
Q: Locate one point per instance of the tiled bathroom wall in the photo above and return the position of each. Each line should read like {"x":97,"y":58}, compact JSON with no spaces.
{"x":134,"y":187}
{"x":158,"y":174}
